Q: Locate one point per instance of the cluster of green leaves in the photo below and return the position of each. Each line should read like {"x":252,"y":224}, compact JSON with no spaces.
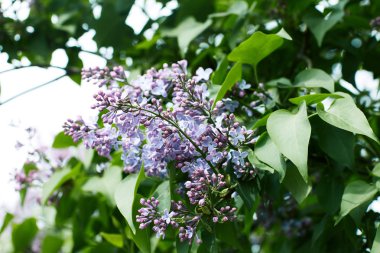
{"x":314,"y":137}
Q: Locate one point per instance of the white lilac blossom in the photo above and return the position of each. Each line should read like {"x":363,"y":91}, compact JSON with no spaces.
{"x":166,"y":117}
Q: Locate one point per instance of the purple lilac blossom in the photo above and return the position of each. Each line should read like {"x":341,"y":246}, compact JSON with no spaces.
{"x":103,"y":140}
{"x":187,"y":131}
{"x":180,"y":218}
{"x":165,"y":117}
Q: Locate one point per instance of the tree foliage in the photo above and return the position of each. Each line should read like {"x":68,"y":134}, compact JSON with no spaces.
{"x":285,"y":65}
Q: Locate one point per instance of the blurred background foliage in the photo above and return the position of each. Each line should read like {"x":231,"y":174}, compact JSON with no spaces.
{"x":201,"y":31}
{"x":339,"y":37}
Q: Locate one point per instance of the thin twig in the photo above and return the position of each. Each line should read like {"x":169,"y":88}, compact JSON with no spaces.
{"x":32,"y":89}
{"x":68,"y":70}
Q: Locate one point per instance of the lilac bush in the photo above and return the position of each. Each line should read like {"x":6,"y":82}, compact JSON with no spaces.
{"x":172,"y":155}
{"x":165,"y":117}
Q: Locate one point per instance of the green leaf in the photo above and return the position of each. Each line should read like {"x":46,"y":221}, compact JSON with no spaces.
{"x":357,"y":213}
{"x":62,"y":21}
{"x":7,"y":219}
{"x":314,"y":78}
{"x":376,"y":242}
{"x":162,"y":194}
{"x":142,"y":240}
{"x":227,"y":233}
{"x":261,"y":122}
{"x":329,"y":192}
{"x":252,"y":158}
{"x":267,"y":152}
{"x":375,"y":171}
{"x":336,"y":143}
{"x":111,"y":24}
{"x":125,"y":195}
{"x":233,"y":76}
{"x":106,"y":184}
{"x":87,"y":156}
{"x":319,"y":24}
{"x":283,"y":34}
{"x":23,"y":234}
{"x":186,"y":31}
{"x":236,"y":8}
{"x":220,"y":73}
{"x":51,"y":244}
{"x":355,"y":194}
{"x":209,"y":243}
{"x":114,"y":239}
{"x":246,"y":191}
{"x":28,"y":167}
{"x":147,"y":44}
{"x":62,"y":140}
{"x":142,"y":237}
{"x":255,"y":48}
{"x":58,"y":179}
{"x":182,"y":247}
{"x":280,"y":83}
{"x":291,"y":133}
{"x":319,"y":229}
{"x":313,"y":98}
{"x":344,"y":114}
{"x":296,"y":184}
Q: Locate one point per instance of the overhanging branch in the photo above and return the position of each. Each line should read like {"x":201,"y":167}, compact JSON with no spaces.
{"x":32,"y":89}
{"x":69,"y":71}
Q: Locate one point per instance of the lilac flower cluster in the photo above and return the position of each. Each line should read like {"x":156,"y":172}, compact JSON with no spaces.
{"x":259,"y":99}
{"x":40,"y":161}
{"x":165,"y":117}
{"x":100,"y":139}
{"x":201,"y":183}
{"x":23,"y":180}
{"x":202,"y":188}
{"x":149,"y":214}
{"x":179,"y":218}
{"x":183,"y":130}
{"x":103,"y":76}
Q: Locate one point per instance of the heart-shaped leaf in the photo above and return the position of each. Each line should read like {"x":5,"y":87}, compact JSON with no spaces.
{"x":105,"y":185}
{"x":344,"y":114}
{"x":255,"y":48}
{"x":186,"y":31}
{"x":267,"y":152}
{"x":355,"y":194}
{"x":320,"y":24}
{"x":314,"y":78}
{"x":291,"y":133}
